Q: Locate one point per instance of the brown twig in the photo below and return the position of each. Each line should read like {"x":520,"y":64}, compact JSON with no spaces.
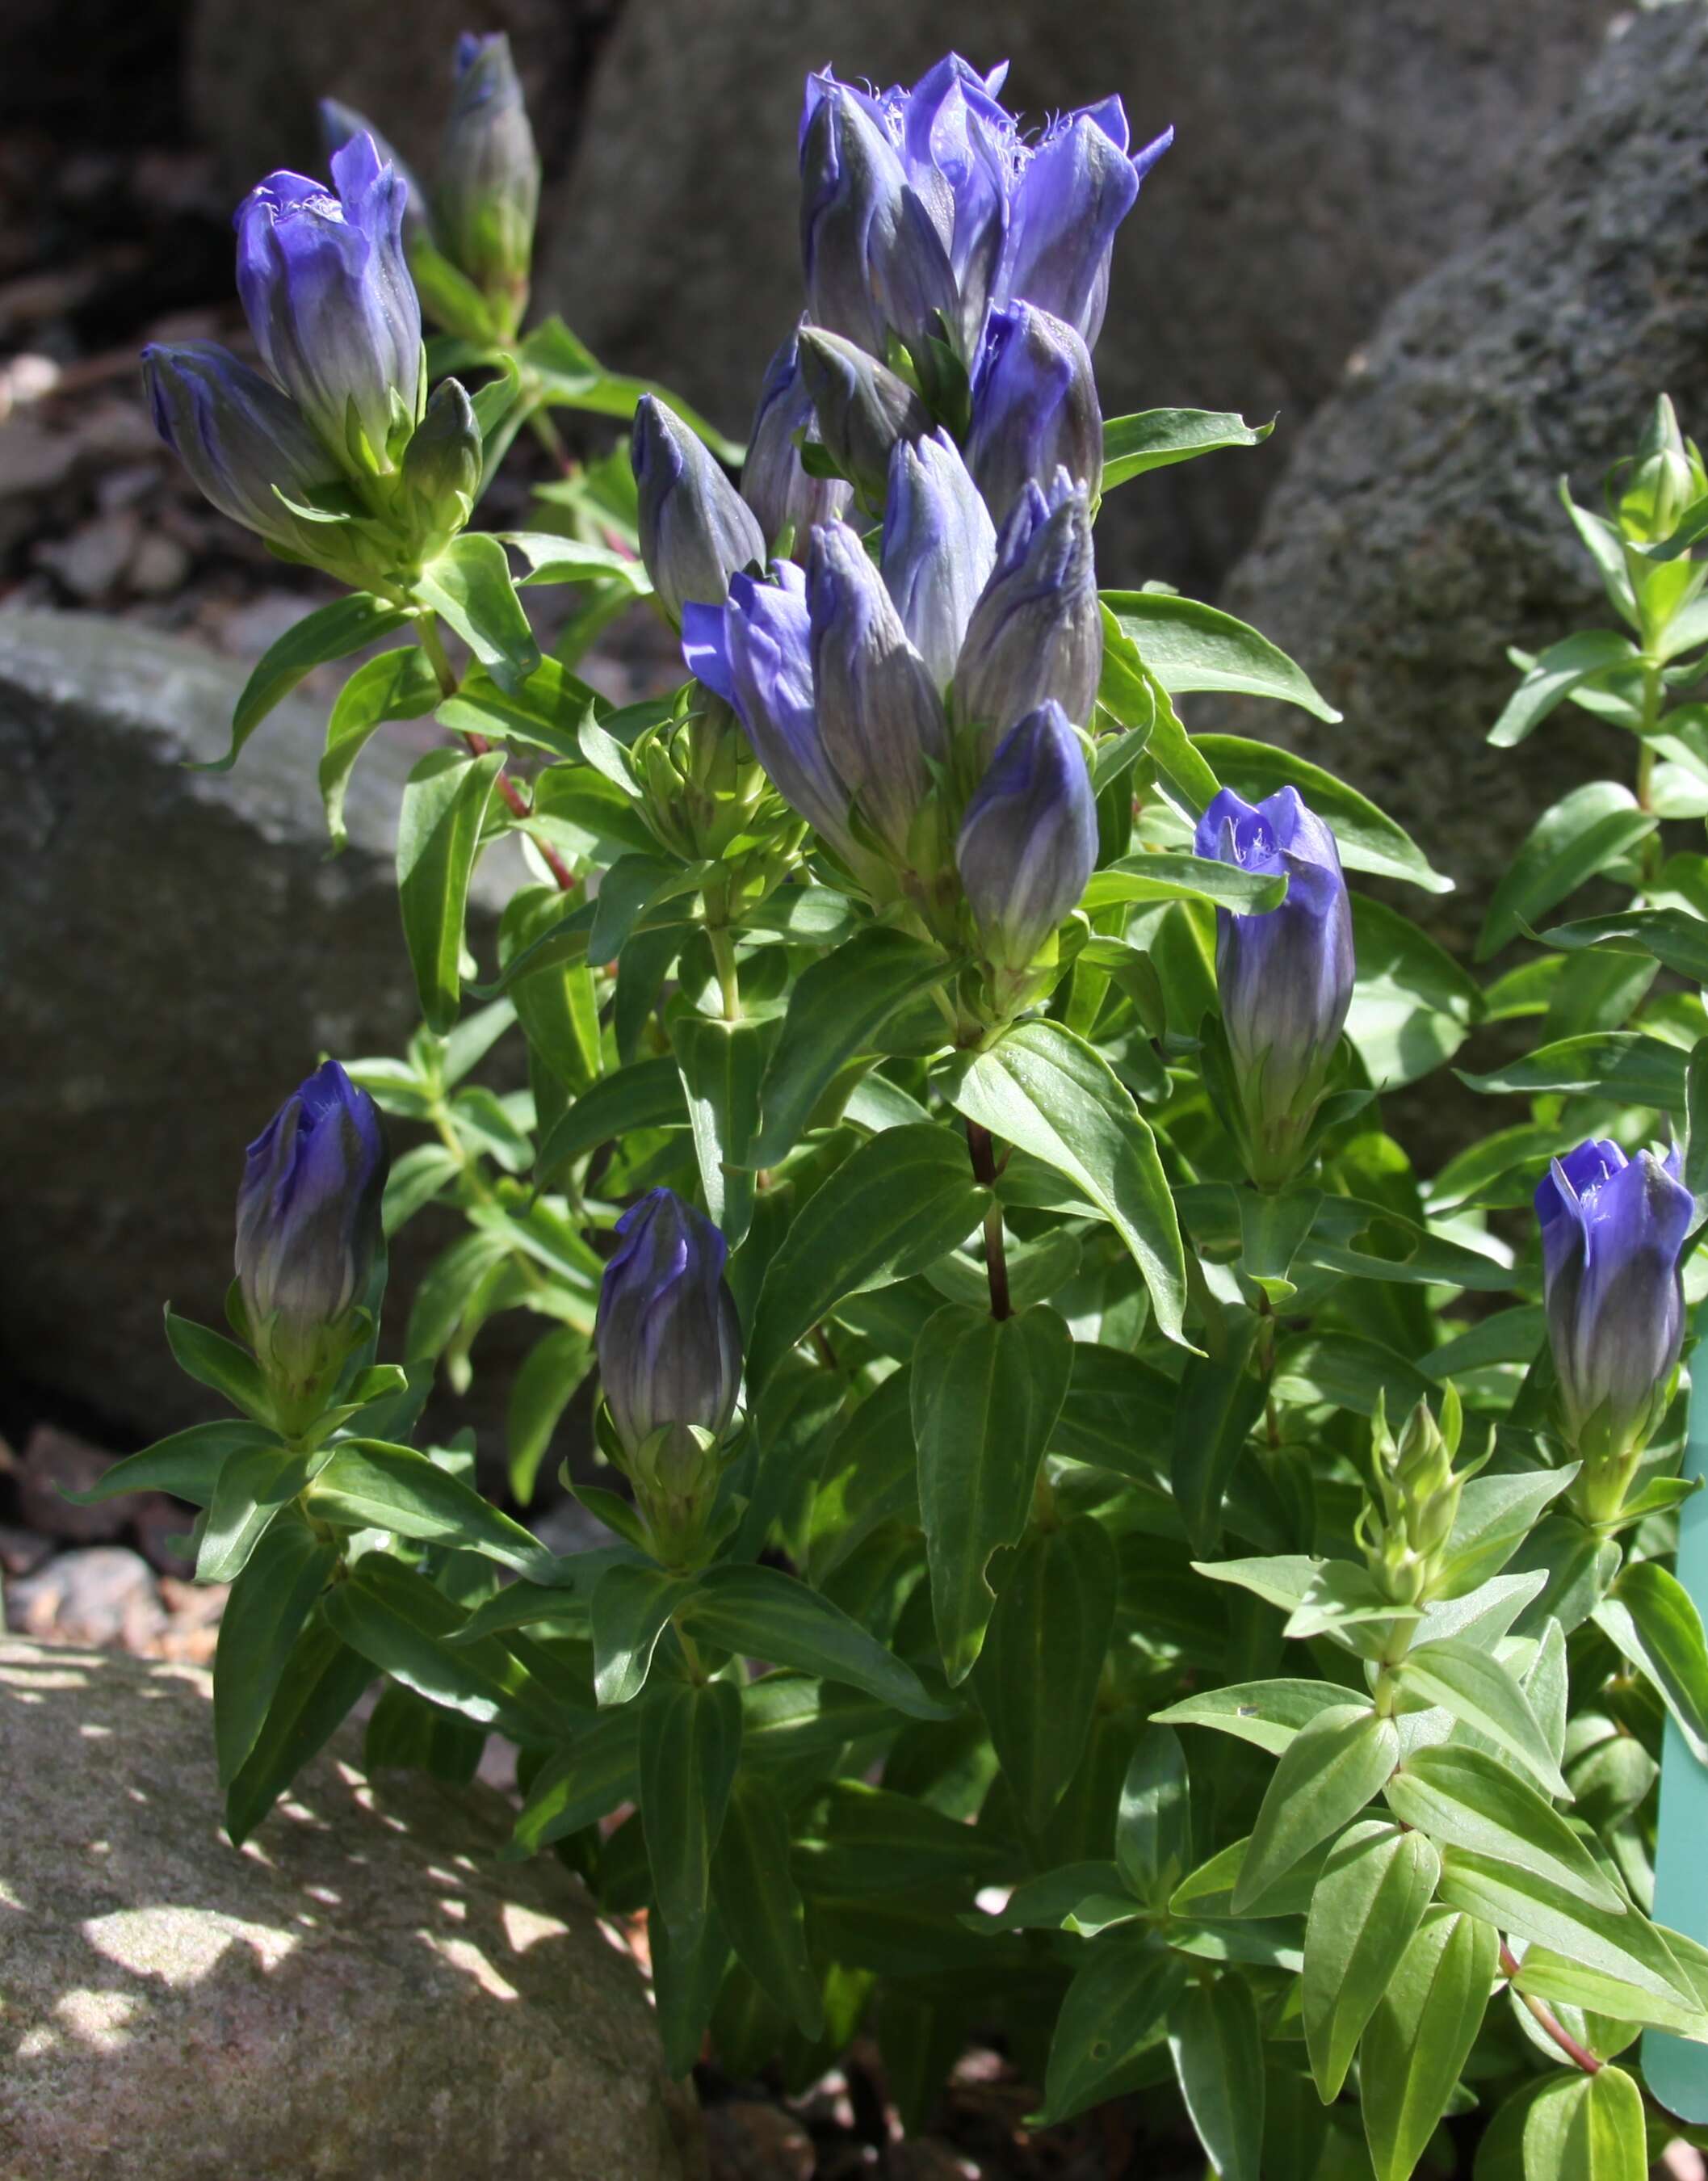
{"x":1547,"y":2018}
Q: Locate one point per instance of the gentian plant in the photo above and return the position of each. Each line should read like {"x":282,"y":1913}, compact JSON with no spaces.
{"x":1100,"y":1553}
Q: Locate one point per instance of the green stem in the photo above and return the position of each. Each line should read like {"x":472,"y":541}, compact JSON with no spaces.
{"x":984,"y":1156}
{"x":729,"y":983}
{"x":431,"y":642}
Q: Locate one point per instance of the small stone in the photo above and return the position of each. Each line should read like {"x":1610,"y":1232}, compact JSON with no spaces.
{"x":92,"y":558}
{"x":102,"y":1595}
{"x":748,"y":2140}
{"x":125,"y":486}
{"x":56,"y":1462}
{"x":158,"y":566}
{"x":22,"y":1550}
{"x":32,"y":459}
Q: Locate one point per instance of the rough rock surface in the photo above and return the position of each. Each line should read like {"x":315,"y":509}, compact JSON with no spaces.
{"x":1325,"y":157}
{"x":1418,"y":533}
{"x":176,"y":951}
{"x":357,"y":1993}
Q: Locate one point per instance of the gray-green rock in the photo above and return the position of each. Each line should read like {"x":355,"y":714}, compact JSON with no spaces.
{"x":356,"y":1995}
{"x":1418,"y":532}
{"x":176,"y":952}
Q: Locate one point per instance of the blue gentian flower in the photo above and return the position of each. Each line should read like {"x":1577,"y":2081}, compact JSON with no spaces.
{"x":1036,"y":633}
{"x":1285,"y":976}
{"x":488,"y":180}
{"x":669,"y":1340}
{"x":864,"y":409}
{"x":774,"y":483}
{"x":1028,"y":841}
{"x":1073,"y":189}
{"x":329,"y":299}
{"x":939,"y":546}
{"x":1034,"y":407}
{"x":1612,"y":1232}
{"x":308,"y":1232}
{"x":695,"y":529}
{"x":339,"y":123}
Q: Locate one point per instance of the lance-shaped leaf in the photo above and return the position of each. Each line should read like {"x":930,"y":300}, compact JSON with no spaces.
{"x":1586,"y":2128}
{"x":1111,"y":2021}
{"x":398,"y":685}
{"x":330,"y":631}
{"x":1152,"y":439}
{"x":1218,"y":2061}
{"x":1189,"y":646}
{"x":759,"y":1904}
{"x":319,"y":1682}
{"x":1462,"y":1797}
{"x":690,"y":1742}
{"x":1220,"y":1398}
{"x":445,"y":803}
{"x":598,"y":1772}
{"x":630,"y":1606}
{"x":264,"y":1617}
{"x":647,"y":1094}
{"x":986,"y":1391}
{"x":469,"y":585}
{"x":1047,"y":1091}
{"x":1650,"y":1616}
{"x":367,"y":1484}
{"x":1551,"y":677}
{"x":1590,"y":829}
{"x":187,"y":1464}
{"x":1421,"y":2035}
{"x":1152,"y":1823}
{"x":1266,"y":1713}
{"x":1477,"y":1688}
{"x":1038,"y":1674}
{"x":902,"y":1200}
{"x":720,"y":1064}
{"x":1369,"y":1902}
{"x":762,"y":1613}
{"x":253,"y":1489}
{"x":1326,"y":1775}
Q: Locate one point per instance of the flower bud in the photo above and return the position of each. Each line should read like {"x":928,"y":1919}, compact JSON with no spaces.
{"x":339,"y":124}
{"x":1036,"y":634}
{"x":958,"y":146}
{"x":1405,"y":1537}
{"x":1028,"y":841}
{"x":239,"y":437}
{"x":308,"y":1232}
{"x":489,"y":192}
{"x":1611,"y":1233}
{"x":774,"y":483}
{"x":879,"y":712}
{"x":1034,"y":407}
{"x":1285,"y":976}
{"x":873,"y":260}
{"x":755,"y":652}
{"x":1662,"y":481}
{"x":442,"y":468}
{"x":695,"y":529}
{"x":669,"y":1340}
{"x":939,"y":546}
{"x":331,"y":304}
{"x":864,"y":408}
{"x":1074,"y":188}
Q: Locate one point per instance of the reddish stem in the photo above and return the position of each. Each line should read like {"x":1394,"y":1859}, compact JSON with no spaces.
{"x":522,"y":809}
{"x":1548,"y":2019}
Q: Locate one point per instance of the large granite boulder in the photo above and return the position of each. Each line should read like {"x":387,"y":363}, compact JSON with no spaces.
{"x":358,"y":1993}
{"x":1326,"y":156}
{"x":176,"y":951}
{"x":1416,"y":533}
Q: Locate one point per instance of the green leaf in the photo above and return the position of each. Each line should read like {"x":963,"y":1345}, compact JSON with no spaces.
{"x":647,"y":1094}
{"x":1046,"y":1089}
{"x":1175,"y":877}
{"x":1327,"y":1773}
{"x":1266,"y":1713}
{"x":869,"y":1478}
{"x":367,"y":1484}
{"x":1675,"y":937}
{"x":1130,"y":693}
{"x":1220,"y":1400}
{"x":263,"y":1621}
{"x":397,"y":1619}
{"x":1188,"y":646}
{"x":688,"y":1970}
{"x":1625,"y":1066}
{"x":1152,"y":439}
{"x":1112,"y":2019}
{"x":628,"y":1612}
{"x":759,"y":1905}
{"x":1495,"y":1515}
{"x":398,"y":685}
{"x":1651,"y":1618}
{"x":1368,"y":1902}
{"x":986,"y":1391}
{"x":1152,"y":1823}
{"x":187,"y":1464}
{"x":573,"y":377}
{"x":1462,"y":1797}
{"x":1553,"y":675}
{"x":1581,"y":836}
{"x":1477,"y":1688}
{"x":319,"y":1683}
{"x":720,"y":1064}
{"x":762,"y":1613}
{"x":1368,"y":839}
{"x":469,"y":584}
{"x":553,"y":558}
{"x":218,"y":1364}
{"x":836,"y":1011}
{"x":330,"y":631}
{"x":252,"y":1489}
{"x":690,"y":1742}
{"x":1627,"y":1947}
{"x":444,"y":805}
{"x":576,"y":1786}
{"x":900,"y":1200}
{"x":1420,"y":2037}
{"x":1038,"y":1676}
{"x":1586,"y":2128}
{"x":1217,"y":2049}
{"x":553,"y":1372}
{"x":1412,"y":1005}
